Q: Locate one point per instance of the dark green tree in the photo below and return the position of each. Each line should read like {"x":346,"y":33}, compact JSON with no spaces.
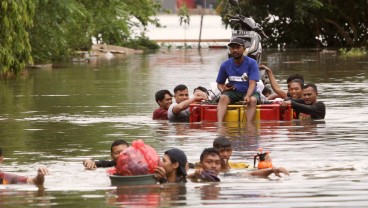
{"x":112,"y":20}
{"x":50,"y":30}
{"x":58,"y":29}
{"x":308,"y":23}
{"x":15,"y":49}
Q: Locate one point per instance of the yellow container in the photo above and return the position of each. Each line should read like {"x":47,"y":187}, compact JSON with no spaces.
{"x":232,"y":114}
{"x":243,"y":111}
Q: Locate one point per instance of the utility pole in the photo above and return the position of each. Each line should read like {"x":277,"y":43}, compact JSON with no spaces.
{"x":200,"y":27}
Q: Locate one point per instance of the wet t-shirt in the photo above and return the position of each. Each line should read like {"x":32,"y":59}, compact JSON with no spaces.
{"x":7,"y":178}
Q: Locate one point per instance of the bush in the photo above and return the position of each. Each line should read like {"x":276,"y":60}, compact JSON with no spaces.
{"x":142,"y":43}
{"x":353,"y":52}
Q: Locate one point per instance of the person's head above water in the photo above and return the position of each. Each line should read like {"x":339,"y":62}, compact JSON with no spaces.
{"x":117,"y":147}
{"x":295,"y":76}
{"x":179,"y":161}
{"x":210,"y":160}
{"x":295,"y":88}
{"x":164,"y":98}
{"x":223,"y":146}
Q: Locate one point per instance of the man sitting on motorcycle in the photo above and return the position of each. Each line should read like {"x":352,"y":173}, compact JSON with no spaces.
{"x":243,"y":74}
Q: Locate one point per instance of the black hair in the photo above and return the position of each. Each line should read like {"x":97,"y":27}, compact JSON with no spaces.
{"x":221,"y":142}
{"x":209,"y":151}
{"x":266,"y":90}
{"x":301,"y":82}
{"x":180,"y":88}
{"x":119,"y":142}
{"x":312,"y":85}
{"x":160,"y":95}
{"x":295,"y":76}
{"x":203,"y":89}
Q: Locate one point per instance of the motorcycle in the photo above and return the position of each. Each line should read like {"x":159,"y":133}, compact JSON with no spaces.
{"x":252,"y":33}
{"x":248,"y":30}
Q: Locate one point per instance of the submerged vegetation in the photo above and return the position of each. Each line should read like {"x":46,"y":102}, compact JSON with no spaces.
{"x":141,"y":43}
{"x":353,"y":52}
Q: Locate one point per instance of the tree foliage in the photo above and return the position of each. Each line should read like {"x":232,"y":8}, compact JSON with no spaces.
{"x":15,"y":49}
{"x":307,"y":23}
{"x":52,"y":30}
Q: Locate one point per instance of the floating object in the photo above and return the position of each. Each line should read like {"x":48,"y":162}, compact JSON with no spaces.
{"x":264,"y":162}
{"x":119,"y":180}
{"x":237,"y":113}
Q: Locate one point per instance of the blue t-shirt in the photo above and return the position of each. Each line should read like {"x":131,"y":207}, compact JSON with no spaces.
{"x":238,"y":75}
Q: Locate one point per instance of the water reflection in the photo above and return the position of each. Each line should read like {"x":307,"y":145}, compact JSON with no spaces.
{"x":58,"y":118}
{"x":148,"y":196}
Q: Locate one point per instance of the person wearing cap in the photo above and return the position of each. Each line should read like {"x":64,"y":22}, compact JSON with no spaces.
{"x":174,"y":167}
{"x":179,"y":110}
{"x":307,"y":108}
{"x":243,"y":74}
{"x":117,"y":147}
{"x":164,"y":100}
{"x":8,"y":178}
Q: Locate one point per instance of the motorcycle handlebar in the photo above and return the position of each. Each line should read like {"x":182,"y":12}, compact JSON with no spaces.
{"x":240,"y":18}
{"x":263,"y":34}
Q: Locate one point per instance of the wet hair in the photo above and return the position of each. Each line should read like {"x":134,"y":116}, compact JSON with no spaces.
{"x":209,"y":151}
{"x":180,"y":88}
{"x":221,"y":142}
{"x":1,"y":152}
{"x":160,"y":95}
{"x":266,"y":90}
{"x":295,"y":76}
{"x":203,"y":89}
{"x":301,"y":82}
{"x":312,"y":85}
{"x":119,"y":142}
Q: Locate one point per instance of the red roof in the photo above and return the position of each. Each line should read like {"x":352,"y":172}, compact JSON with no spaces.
{"x":189,"y":3}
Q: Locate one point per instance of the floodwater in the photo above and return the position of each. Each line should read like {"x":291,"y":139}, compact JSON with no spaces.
{"x":57,"y":118}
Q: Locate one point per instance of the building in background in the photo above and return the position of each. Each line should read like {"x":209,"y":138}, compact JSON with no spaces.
{"x":173,"y":5}
{"x":168,"y":5}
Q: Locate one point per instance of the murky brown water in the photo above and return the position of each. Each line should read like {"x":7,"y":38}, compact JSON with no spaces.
{"x":57,"y":118}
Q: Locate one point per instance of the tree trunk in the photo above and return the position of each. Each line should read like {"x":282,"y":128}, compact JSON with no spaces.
{"x":342,"y":32}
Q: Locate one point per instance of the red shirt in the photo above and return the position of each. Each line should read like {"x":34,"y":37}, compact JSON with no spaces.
{"x":7,"y":178}
{"x":160,"y":114}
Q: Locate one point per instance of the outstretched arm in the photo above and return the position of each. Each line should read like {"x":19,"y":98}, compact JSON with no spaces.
{"x":198,"y":96}
{"x":89,"y":164}
{"x":317,"y":110}
{"x":275,"y":86}
{"x":40,"y":177}
{"x":263,"y":173}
